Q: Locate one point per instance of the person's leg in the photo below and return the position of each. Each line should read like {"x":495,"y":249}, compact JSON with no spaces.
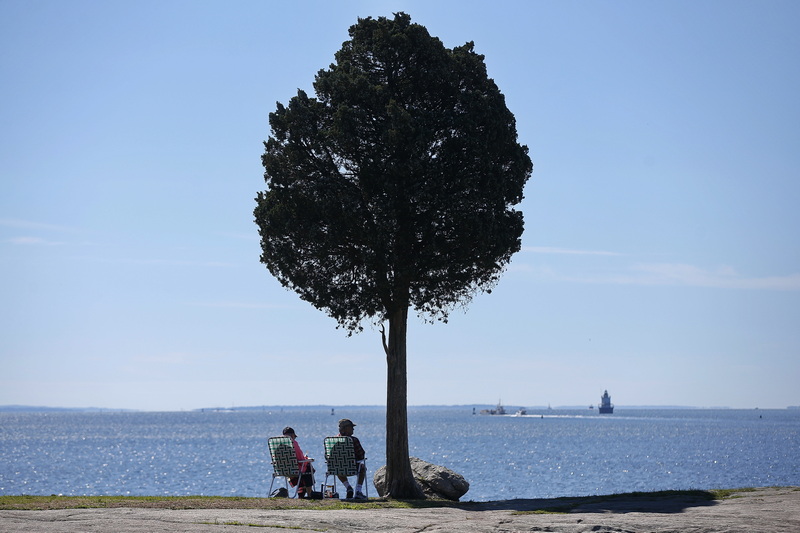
{"x":347,"y":486}
{"x":306,"y":486}
{"x":362,"y":474}
{"x":296,"y":481}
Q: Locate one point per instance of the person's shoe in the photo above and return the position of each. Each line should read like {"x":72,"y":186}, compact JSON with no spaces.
{"x":349,"y":493}
{"x":360,"y":496}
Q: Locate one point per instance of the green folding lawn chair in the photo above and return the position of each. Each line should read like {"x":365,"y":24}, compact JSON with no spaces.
{"x":286,"y":465}
{"x":340,"y":458}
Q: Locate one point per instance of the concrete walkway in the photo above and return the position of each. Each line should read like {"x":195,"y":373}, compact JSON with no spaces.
{"x":768,"y":510}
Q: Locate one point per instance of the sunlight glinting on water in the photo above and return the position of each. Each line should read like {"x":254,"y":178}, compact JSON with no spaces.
{"x":224,"y":453}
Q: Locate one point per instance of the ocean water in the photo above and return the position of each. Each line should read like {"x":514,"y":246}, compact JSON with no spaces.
{"x":545,"y":454}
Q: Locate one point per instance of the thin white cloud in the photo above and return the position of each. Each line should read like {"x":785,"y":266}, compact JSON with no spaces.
{"x":32,"y":241}
{"x":663,"y":274}
{"x":163,"y":262}
{"x":723,"y":277}
{"x":239,"y":236}
{"x":240,"y":305}
{"x":31,"y":227}
{"x":179,"y":262}
{"x":565,"y":251}
{"x":27,"y":224}
{"x":172,"y":358}
{"x":676,"y":274}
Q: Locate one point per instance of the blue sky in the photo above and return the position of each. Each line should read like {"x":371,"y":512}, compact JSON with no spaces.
{"x":660,"y":261}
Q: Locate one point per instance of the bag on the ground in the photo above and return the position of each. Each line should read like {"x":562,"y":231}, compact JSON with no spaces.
{"x":280,"y":492}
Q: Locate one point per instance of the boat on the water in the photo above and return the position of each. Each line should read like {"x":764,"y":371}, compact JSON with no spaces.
{"x":499,"y":410}
{"x":605,"y":407}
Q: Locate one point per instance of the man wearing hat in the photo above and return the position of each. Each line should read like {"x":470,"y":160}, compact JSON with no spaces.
{"x":346,"y":427}
{"x":306,"y":488}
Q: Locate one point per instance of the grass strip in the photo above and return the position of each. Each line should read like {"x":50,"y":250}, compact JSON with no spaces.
{"x":552,"y":505}
{"x":54,"y":502}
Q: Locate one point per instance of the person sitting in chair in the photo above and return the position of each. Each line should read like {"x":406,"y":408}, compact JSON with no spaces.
{"x":306,"y":488}
{"x":346,"y":427}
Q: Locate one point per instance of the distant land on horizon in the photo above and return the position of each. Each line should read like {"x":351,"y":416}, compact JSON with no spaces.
{"x":46,"y":409}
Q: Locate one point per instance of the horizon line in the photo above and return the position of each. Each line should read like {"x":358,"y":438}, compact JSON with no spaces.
{"x":40,"y":408}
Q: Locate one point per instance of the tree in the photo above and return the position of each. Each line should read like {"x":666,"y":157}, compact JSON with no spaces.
{"x":393,"y":188}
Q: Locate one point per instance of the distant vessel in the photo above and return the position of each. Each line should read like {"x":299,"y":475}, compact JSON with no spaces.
{"x":521,"y":412}
{"x":605,"y":407}
{"x":499,"y":410}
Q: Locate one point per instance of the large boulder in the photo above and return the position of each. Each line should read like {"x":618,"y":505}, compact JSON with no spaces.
{"x":434,"y":480}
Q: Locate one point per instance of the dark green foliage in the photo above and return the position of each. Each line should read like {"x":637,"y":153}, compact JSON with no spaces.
{"x":394,"y":187}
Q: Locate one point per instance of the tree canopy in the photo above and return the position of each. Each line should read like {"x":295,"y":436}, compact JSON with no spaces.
{"x":393,"y":188}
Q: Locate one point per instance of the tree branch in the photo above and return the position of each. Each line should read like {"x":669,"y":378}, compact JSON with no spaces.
{"x":383,"y":340}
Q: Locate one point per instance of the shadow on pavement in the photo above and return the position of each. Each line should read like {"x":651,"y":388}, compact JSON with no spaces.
{"x":648,"y":502}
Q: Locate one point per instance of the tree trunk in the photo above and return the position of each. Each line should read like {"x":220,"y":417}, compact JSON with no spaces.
{"x":400,"y":481}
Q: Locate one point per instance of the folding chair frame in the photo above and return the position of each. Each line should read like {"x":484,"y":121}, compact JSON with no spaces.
{"x":340,"y":460}
{"x":286,"y":465}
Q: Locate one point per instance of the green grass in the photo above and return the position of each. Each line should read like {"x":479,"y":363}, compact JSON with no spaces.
{"x":554,"y":505}
{"x":101,"y":502}
{"x":721,"y":494}
{"x":39,"y":503}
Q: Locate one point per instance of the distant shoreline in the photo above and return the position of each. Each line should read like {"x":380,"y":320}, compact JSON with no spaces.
{"x":47,"y":409}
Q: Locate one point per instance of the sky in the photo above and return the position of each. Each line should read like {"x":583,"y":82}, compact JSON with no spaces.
{"x":661,"y":253}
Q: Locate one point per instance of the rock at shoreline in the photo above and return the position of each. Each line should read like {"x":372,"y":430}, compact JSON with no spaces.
{"x":434,"y":480}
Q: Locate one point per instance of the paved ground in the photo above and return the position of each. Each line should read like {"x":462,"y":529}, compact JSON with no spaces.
{"x":768,"y":510}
